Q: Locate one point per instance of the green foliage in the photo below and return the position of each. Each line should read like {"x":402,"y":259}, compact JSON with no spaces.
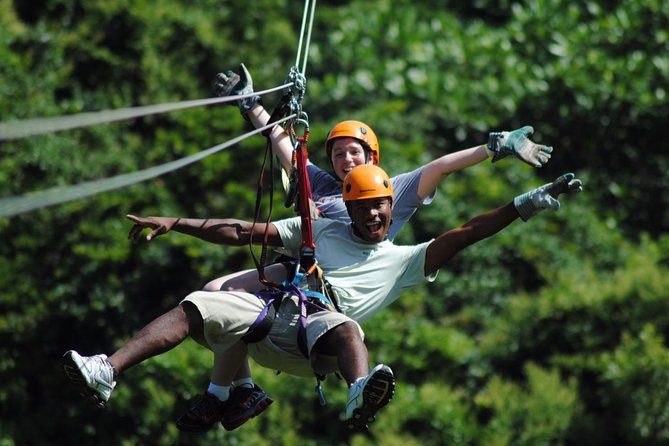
{"x":552,"y":332}
{"x":637,"y":370}
{"x":538,"y":415}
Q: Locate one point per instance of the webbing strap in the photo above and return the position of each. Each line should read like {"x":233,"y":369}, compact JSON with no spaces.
{"x":263,"y":323}
{"x":302,"y":332}
{"x":313,"y":276}
{"x":304,"y":197}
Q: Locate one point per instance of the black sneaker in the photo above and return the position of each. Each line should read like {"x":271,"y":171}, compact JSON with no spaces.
{"x":244,"y":404}
{"x":202,"y":415}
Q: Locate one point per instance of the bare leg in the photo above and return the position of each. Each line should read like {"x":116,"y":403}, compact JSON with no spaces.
{"x":244,"y":370}
{"x":235,"y":282}
{"x":247,"y":280}
{"x":220,"y":402}
{"x":159,"y":336}
{"x":224,"y":371}
{"x":368,"y":392}
{"x":345,"y":343}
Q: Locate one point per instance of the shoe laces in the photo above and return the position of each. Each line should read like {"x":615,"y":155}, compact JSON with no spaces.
{"x":244,"y":397}
{"x":100,"y":367}
{"x":206,"y":404}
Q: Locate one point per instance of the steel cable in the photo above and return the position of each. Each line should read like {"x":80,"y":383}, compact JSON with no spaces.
{"x":19,"y":129}
{"x":11,"y":206}
{"x":10,"y":130}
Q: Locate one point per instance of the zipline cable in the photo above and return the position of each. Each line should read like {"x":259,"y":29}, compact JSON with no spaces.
{"x":28,"y":127}
{"x":300,"y":42}
{"x":306,"y":48}
{"x":11,"y":206}
{"x":15,"y":205}
{"x":297,"y":78}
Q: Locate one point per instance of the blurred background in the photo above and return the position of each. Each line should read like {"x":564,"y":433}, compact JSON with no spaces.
{"x":553,"y":332}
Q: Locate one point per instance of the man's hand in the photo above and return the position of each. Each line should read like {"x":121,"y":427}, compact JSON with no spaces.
{"x":517,"y":143}
{"x":230,"y":83}
{"x":531,"y":203}
{"x":160,"y":225}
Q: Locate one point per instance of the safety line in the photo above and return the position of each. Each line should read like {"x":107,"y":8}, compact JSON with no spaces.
{"x":310,"y":13}
{"x":301,"y":39}
{"x":11,"y":206}
{"x":306,"y":49}
{"x":22,"y":128}
{"x":15,"y":205}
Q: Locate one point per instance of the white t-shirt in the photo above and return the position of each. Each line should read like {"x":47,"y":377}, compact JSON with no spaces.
{"x":366,"y":277}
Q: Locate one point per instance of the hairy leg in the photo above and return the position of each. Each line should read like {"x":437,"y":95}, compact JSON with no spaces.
{"x":159,"y":336}
{"x":344,"y":342}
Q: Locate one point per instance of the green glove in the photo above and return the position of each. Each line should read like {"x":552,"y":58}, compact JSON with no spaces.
{"x":531,"y":203}
{"x":517,"y":143}
{"x":230,"y":83}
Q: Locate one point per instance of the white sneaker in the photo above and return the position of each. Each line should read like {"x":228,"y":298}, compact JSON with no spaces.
{"x":367,"y":396}
{"x":93,"y":375}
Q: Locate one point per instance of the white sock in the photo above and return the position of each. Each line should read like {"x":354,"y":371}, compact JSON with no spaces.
{"x":220,"y":392}
{"x":244,"y":382}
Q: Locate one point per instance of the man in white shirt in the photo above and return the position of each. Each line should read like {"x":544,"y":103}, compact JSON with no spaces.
{"x":366,"y":271}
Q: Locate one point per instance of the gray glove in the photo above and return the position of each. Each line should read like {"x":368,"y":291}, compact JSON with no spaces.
{"x":230,"y":83}
{"x":517,"y":143}
{"x":530,"y":203}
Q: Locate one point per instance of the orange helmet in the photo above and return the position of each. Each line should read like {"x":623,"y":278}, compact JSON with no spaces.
{"x":358,"y":130}
{"x":367,"y":181}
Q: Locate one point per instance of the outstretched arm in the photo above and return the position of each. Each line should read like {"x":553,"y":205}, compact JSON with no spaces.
{"x":226,"y":231}
{"x":525,"y":206}
{"x":500,"y":144}
{"x":437,"y":170}
{"x":448,"y":244}
{"x":230,"y":83}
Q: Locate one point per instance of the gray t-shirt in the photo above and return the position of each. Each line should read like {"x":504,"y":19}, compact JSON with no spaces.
{"x":327,"y":195}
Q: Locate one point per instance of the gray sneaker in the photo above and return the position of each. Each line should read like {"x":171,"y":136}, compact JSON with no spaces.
{"x":368,"y":396}
{"x":93,"y":375}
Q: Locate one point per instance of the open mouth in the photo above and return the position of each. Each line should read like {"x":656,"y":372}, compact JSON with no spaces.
{"x":374,"y":227}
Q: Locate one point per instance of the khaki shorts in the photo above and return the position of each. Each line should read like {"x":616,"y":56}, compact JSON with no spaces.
{"x":227,"y":316}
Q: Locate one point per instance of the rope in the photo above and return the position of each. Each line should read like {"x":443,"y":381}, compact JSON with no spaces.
{"x":297,"y":77}
{"x":20,"y":129}
{"x":307,"y":12}
{"x":306,"y":50}
{"x":11,"y":206}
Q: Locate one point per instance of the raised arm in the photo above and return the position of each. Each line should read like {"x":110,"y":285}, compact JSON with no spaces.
{"x":500,"y":145}
{"x":230,"y":83}
{"x":525,"y":206}
{"x":281,"y":145}
{"x":226,"y":231}
{"x":437,"y":170}
{"x":448,"y":244}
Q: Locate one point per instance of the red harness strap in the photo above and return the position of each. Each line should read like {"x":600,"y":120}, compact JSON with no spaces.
{"x":304,"y":196}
